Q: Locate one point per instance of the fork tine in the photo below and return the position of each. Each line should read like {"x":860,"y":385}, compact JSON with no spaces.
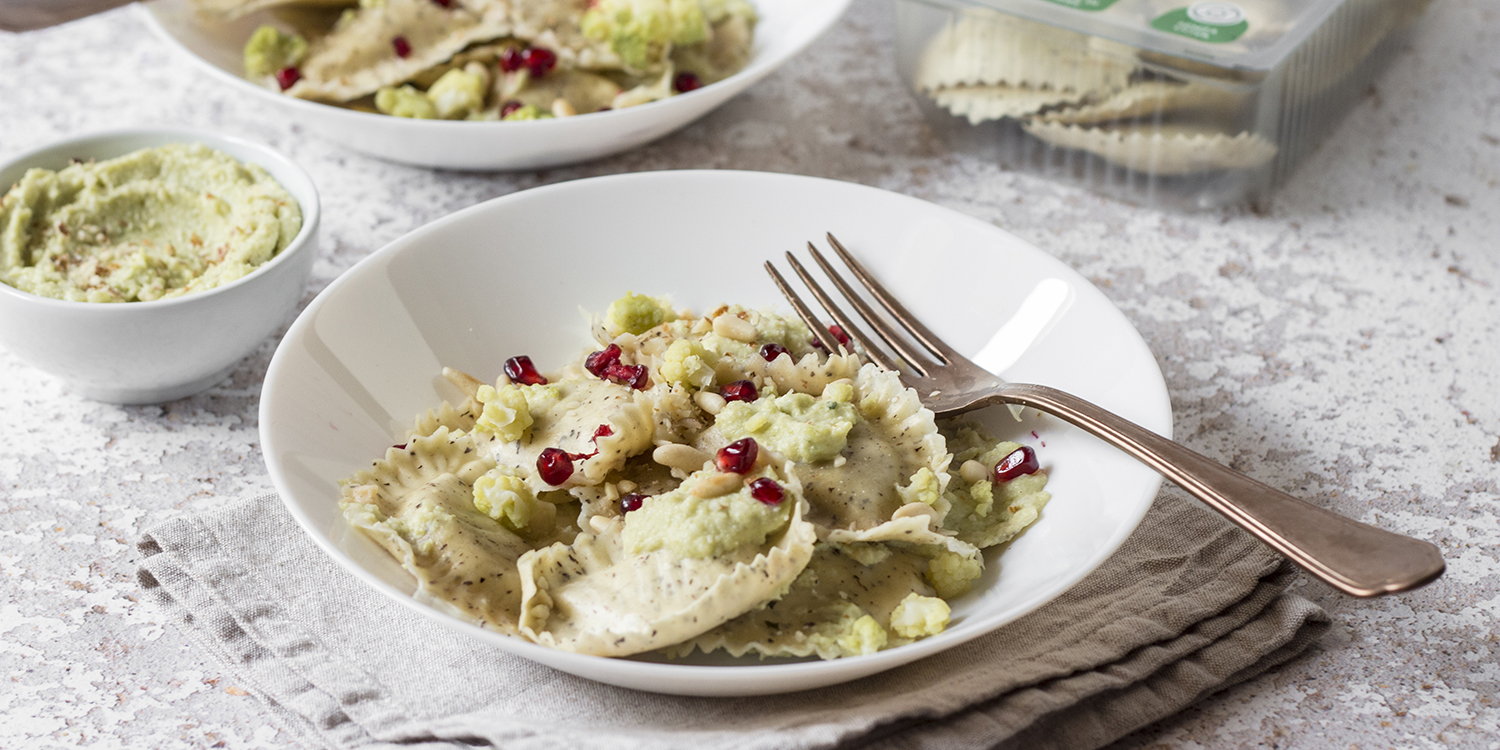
{"x":899,"y":313}
{"x":845,"y":322}
{"x":803,"y":311}
{"x":894,"y":340}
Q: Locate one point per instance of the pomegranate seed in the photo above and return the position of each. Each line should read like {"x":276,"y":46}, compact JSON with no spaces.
{"x":738,"y":457}
{"x":403,"y":47}
{"x":509,"y":107}
{"x":520,"y":370}
{"x":770,"y":352}
{"x":400,"y":447}
{"x":739,"y":390}
{"x":838,"y":335}
{"x":685,"y":82}
{"x":540,"y":60}
{"x":596,"y":362}
{"x":631,"y":502}
{"x":767,"y":491}
{"x":603,"y":431}
{"x":287,"y":76}
{"x":512,"y":60}
{"x":443,"y":3}
{"x":1020,"y":461}
{"x":555,"y":465}
{"x":631,"y":375}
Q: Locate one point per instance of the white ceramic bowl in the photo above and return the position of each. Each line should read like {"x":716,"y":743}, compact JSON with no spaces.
{"x":150,"y":352}
{"x":509,"y":276}
{"x":785,"y":28}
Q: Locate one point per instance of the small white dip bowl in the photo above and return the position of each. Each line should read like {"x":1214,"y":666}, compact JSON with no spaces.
{"x":150,"y":352}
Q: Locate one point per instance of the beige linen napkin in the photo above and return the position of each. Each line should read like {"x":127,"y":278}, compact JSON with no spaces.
{"x":1187,"y":606}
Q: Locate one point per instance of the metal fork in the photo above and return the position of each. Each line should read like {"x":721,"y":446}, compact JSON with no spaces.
{"x":1353,"y":557}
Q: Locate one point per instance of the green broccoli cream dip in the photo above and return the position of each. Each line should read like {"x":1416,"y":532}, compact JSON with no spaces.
{"x":154,"y":224}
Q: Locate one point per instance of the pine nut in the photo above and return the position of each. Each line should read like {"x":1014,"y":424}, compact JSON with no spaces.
{"x":911,"y":510}
{"x":679,"y":456}
{"x":973,"y":472}
{"x":732,"y":327}
{"x":709,"y":401}
{"x":716,"y":485}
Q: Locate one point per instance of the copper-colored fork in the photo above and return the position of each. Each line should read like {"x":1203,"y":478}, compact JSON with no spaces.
{"x":1356,"y":558}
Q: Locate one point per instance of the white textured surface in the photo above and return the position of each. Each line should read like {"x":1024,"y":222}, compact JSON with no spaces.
{"x":1344,"y":345}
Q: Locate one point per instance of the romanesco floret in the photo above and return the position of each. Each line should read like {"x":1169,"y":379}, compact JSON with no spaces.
{"x":923,"y":488}
{"x":528,"y":112}
{"x":459,"y":92}
{"x":507,"y":415}
{"x":541,"y":397}
{"x":684,"y":362}
{"x":270,"y":50}
{"x":506,"y":499}
{"x":406,"y":101}
{"x":951,"y":573}
{"x":919,"y":616}
{"x":841,"y":391}
{"x":419,"y":525}
{"x":983,"y":495}
{"x":640,"y":31}
{"x":865,"y":636}
{"x":637,"y":313}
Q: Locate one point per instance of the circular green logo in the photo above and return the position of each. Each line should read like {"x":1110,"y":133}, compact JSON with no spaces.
{"x":1216,"y":13}
{"x":1212,"y":21}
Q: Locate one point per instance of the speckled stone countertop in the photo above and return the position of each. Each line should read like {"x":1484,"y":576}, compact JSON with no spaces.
{"x":1343,"y":344}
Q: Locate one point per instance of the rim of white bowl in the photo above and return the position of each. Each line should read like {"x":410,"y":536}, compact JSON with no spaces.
{"x":757,"y":68}
{"x":311,"y":214}
{"x":644,"y":670}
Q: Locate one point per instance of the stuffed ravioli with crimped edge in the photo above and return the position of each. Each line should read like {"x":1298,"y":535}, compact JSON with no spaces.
{"x":591,"y":509}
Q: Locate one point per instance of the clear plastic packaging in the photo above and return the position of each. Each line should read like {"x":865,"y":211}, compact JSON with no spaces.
{"x":1160,"y":102}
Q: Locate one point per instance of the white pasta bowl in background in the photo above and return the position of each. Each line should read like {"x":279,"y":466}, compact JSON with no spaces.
{"x":509,"y":277}
{"x":785,"y":28}
{"x":165,"y":349}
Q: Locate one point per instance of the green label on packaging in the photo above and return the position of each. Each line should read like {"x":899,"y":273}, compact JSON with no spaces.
{"x":1088,"y":5}
{"x":1212,"y":21}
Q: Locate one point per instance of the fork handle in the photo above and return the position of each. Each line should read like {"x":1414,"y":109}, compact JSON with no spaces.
{"x":1354,"y":557}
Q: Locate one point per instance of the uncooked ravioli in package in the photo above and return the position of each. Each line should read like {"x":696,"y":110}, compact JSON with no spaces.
{"x":1165,"y":102}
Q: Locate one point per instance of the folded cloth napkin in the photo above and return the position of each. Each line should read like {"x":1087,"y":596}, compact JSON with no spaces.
{"x":1187,"y":606}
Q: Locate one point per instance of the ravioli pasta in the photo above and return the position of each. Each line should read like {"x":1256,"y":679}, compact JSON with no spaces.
{"x":707,"y":483}
{"x":491,"y":59}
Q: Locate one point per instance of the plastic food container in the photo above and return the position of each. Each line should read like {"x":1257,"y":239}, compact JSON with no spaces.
{"x":1159,"y":102}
